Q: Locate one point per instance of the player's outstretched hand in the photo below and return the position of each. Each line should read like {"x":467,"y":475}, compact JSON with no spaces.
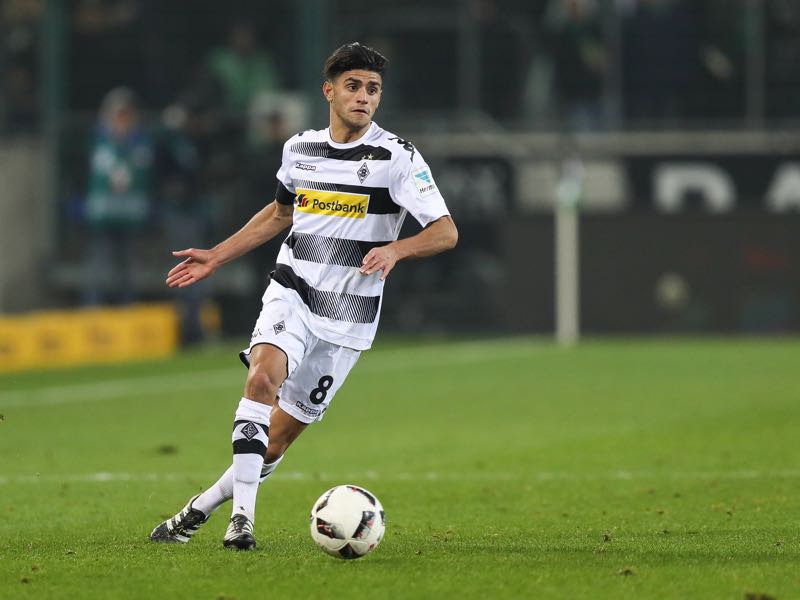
{"x":198,"y":265}
{"x":383,"y":259}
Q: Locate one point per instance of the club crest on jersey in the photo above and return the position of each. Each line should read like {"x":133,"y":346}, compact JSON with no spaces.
{"x":424,"y":181}
{"x":279,"y":327}
{"x":334,"y":204}
{"x":363,"y":172}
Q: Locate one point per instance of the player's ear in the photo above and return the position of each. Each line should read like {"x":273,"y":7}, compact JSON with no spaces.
{"x":327,"y":90}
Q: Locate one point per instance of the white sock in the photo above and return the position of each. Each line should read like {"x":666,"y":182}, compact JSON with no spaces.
{"x":222,"y":491}
{"x":268,"y":468}
{"x":215,"y":496}
{"x":250,"y":439}
{"x":246,"y":468}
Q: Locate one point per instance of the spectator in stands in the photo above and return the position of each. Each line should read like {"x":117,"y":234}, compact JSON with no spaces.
{"x":580,"y":61}
{"x":722,"y":54}
{"x":269,"y":130}
{"x":503,"y":38}
{"x":228,"y":82}
{"x":20,"y":26}
{"x":185,"y":207}
{"x":660,"y":61}
{"x":240,"y":69}
{"x":782,"y":58}
{"x":106,"y":42}
{"x":118,"y":201}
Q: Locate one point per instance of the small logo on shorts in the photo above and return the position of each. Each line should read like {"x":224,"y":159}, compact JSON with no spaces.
{"x":249,"y":431}
{"x":309,"y":412}
{"x":279,"y":327}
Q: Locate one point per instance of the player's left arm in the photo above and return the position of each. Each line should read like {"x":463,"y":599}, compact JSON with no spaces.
{"x":436,"y":237}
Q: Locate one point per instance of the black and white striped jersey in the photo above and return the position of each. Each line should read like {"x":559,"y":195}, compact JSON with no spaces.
{"x":348,"y":198}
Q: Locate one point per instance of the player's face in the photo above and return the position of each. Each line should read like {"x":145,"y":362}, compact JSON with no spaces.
{"x":354,"y":97}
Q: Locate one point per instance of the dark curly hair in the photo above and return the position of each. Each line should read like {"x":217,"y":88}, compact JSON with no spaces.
{"x":354,"y":56}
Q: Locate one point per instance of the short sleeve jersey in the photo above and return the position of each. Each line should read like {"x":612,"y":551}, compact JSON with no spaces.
{"x":348,"y":199}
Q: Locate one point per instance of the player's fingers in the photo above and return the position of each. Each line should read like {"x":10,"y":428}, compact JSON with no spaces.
{"x":370,"y":267}
{"x":187,"y":279}
{"x":380,"y":265}
{"x":180,"y":267}
{"x":386,"y":270}
{"x":174,"y":281}
{"x":178,"y":274}
{"x":371,"y":261}
{"x":187,"y":252}
{"x":371,"y":258}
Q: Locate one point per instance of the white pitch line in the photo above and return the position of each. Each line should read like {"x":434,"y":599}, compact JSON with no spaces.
{"x":109,"y":477}
{"x":184,"y":382}
{"x":430,"y":476}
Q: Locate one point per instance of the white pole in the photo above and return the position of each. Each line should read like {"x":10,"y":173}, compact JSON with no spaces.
{"x":567,"y":247}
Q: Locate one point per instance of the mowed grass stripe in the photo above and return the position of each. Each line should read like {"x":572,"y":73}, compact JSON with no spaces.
{"x":187,"y":381}
{"x":305,"y":476}
{"x":508,"y":469}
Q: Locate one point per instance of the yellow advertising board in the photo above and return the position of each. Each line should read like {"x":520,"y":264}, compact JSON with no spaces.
{"x":64,"y":338}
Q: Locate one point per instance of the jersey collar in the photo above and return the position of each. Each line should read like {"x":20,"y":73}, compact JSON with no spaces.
{"x":373,"y":127}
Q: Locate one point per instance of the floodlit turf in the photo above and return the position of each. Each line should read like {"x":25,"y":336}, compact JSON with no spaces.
{"x":508,"y":469}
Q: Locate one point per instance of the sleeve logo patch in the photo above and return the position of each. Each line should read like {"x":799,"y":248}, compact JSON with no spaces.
{"x":424,"y":181}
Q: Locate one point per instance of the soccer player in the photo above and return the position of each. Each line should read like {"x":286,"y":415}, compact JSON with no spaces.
{"x":345,"y":191}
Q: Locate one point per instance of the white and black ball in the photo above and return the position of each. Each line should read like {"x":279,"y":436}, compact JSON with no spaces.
{"x":347,"y":521}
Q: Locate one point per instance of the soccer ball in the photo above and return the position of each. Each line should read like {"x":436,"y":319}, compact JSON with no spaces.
{"x":347,"y":521}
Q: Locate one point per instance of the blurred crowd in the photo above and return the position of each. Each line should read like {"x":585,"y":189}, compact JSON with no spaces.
{"x":175,"y":121}
{"x":580,"y":63}
{"x":186,"y":155}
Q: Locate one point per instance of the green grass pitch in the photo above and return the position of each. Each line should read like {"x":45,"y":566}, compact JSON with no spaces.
{"x":508,"y":468}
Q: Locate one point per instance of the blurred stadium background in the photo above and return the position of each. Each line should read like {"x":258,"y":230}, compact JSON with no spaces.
{"x":672,"y":123}
{"x":625,"y":467}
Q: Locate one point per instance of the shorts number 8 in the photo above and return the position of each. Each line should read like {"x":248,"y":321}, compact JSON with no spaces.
{"x":318,"y":394}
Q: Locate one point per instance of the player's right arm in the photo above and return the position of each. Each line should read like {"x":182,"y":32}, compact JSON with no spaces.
{"x":199,"y":264}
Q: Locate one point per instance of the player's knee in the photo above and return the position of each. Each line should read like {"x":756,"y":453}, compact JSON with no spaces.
{"x":260,"y":386}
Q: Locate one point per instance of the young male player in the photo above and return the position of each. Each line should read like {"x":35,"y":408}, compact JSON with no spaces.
{"x":345,"y":191}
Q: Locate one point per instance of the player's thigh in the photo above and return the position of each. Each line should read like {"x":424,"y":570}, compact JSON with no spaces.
{"x":309,"y":390}
{"x":266,"y":361}
{"x":279,"y":342}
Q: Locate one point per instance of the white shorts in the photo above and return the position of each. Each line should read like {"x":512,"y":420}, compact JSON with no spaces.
{"x":316,"y":368}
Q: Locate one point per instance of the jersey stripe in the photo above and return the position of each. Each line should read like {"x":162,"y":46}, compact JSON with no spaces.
{"x":332,"y":305}
{"x":348,"y":199}
{"x":283,"y":195}
{"x":322,"y":186}
{"x":329,"y":250}
{"x":325,"y":150}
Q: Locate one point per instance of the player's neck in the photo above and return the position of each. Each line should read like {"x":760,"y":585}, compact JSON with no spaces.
{"x":342,"y":134}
